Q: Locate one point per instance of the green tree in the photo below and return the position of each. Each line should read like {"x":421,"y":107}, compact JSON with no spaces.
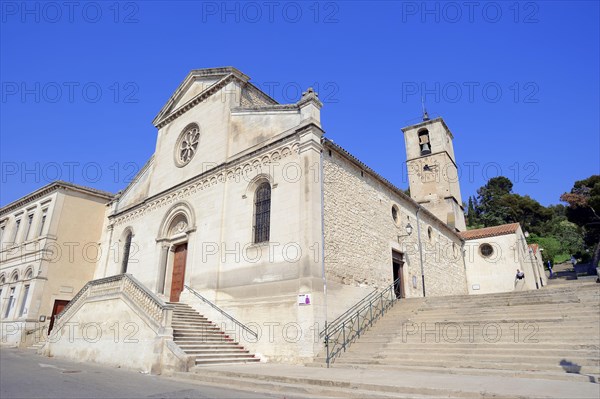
{"x":497,"y":204}
{"x":584,"y":211}
{"x":525,"y":210}
{"x":569,"y":235}
{"x":492,"y":210}
{"x":550,"y":245}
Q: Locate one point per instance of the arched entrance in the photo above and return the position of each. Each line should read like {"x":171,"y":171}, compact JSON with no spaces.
{"x":174,"y":239}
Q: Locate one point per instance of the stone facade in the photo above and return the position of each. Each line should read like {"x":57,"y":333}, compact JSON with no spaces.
{"x":361,"y":234}
{"x":432,"y":171}
{"x":208,"y":204}
{"x":48,"y":257}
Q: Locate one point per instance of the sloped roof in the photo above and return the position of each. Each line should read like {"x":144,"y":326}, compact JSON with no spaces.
{"x":490,"y":231}
{"x":331,"y":144}
{"x":55,"y":185}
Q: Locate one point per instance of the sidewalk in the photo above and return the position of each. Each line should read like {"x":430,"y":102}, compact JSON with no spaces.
{"x":382,"y":382}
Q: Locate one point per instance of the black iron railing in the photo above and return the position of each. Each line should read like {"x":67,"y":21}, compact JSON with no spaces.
{"x":224,"y":313}
{"x":348,"y":327}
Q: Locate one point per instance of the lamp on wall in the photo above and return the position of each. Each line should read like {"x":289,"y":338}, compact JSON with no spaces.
{"x":408,"y":229}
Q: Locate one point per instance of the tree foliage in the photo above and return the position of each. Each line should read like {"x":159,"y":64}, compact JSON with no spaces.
{"x":556,"y":228}
{"x":584,"y":210}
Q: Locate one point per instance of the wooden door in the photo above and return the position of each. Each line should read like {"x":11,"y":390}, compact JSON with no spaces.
{"x":178,"y":272}
{"x":56,"y":309}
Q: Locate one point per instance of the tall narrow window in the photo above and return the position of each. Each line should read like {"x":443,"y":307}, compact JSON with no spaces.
{"x":29,"y":223}
{"x":262,"y":213}
{"x":16,"y":234}
{"x":126,"y":249}
{"x":25,"y":293}
{"x":2,"y":234}
{"x":43,"y":222}
{"x":11,"y":299}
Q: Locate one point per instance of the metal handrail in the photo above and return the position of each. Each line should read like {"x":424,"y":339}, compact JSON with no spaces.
{"x":224,"y":313}
{"x":347,"y":330}
{"x":344,"y":315}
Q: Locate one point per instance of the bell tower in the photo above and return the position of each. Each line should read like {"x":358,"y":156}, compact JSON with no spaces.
{"x":432,"y":170}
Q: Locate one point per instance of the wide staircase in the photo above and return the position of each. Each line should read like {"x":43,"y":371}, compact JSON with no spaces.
{"x":199,"y":337}
{"x":551,"y":333}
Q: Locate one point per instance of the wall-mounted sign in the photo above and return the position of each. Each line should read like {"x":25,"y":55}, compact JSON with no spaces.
{"x":475,"y":287}
{"x":304,"y":299}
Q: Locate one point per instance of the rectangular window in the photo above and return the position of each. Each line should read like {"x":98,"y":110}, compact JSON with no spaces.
{"x":16,"y":234}
{"x":24,"y":301}
{"x":43,"y":222}
{"x":29,"y":223}
{"x":2,"y":234}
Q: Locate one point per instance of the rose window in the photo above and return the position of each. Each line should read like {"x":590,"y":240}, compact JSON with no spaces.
{"x":187,"y":145}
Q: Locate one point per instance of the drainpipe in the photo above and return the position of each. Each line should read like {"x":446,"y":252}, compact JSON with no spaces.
{"x":323,"y":236}
{"x":420,"y":250}
{"x":462,"y":253}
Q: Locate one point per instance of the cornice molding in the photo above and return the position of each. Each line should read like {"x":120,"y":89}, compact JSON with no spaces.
{"x":228,"y":171}
{"x":161,"y":120}
{"x":49,"y":189}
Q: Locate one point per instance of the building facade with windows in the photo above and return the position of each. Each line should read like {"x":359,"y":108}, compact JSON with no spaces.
{"x":246,"y":206}
{"x":46,"y":256}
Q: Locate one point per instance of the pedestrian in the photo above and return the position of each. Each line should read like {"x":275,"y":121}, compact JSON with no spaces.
{"x":573,"y":261}
{"x":520,"y":276}
{"x":550,"y":268}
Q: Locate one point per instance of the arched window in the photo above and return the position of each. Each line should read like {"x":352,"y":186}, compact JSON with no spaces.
{"x":424,"y":144}
{"x":262,"y":212}
{"x":126,"y":249}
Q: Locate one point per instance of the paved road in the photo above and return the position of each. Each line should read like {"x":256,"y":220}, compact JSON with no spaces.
{"x":24,"y":374}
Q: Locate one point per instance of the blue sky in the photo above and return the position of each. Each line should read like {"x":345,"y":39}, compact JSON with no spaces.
{"x":516,"y":82}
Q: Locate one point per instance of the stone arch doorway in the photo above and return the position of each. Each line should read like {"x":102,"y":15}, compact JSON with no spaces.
{"x":174,"y":239}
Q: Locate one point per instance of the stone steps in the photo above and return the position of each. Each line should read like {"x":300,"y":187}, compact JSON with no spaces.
{"x":466,"y":365}
{"x":199,"y":337}
{"x":558,"y":334}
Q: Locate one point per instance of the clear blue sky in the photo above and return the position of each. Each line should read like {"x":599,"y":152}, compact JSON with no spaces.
{"x":517,"y":83}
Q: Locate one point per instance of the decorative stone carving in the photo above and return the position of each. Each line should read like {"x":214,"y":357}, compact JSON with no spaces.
{"x":219,"y":176}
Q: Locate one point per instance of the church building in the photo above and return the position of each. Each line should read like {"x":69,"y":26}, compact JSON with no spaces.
{"x":247,"y":215}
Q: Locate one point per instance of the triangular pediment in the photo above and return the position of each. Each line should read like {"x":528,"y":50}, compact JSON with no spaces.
{"x":197,"y":83}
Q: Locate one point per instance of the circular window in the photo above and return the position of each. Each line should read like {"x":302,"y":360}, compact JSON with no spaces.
{"x":486,"y":250}
{"x":395,"y":214}
{"x":187,"y":145}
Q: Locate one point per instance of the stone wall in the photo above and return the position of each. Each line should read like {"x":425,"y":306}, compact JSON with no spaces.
{"x":361,"y":233}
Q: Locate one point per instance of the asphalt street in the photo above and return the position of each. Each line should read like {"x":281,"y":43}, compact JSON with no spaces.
{"x":24,"y":374}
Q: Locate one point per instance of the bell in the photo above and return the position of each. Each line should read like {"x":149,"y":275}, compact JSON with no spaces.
{"x":425,"y":149}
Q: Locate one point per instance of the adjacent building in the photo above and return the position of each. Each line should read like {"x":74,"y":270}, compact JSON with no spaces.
{"x":49,"y":246}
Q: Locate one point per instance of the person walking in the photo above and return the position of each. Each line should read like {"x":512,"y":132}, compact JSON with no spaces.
{"x":550,"y":269}
{"x":519,"y":280}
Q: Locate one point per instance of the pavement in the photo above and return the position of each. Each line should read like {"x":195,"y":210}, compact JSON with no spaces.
{"x":25,"y":374}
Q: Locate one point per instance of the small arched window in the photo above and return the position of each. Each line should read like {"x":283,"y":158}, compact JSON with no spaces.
{"x":29,"y":274}
{"x":262,"y":213}
{"x":424,"y":144}
{"x":126,"y":249}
